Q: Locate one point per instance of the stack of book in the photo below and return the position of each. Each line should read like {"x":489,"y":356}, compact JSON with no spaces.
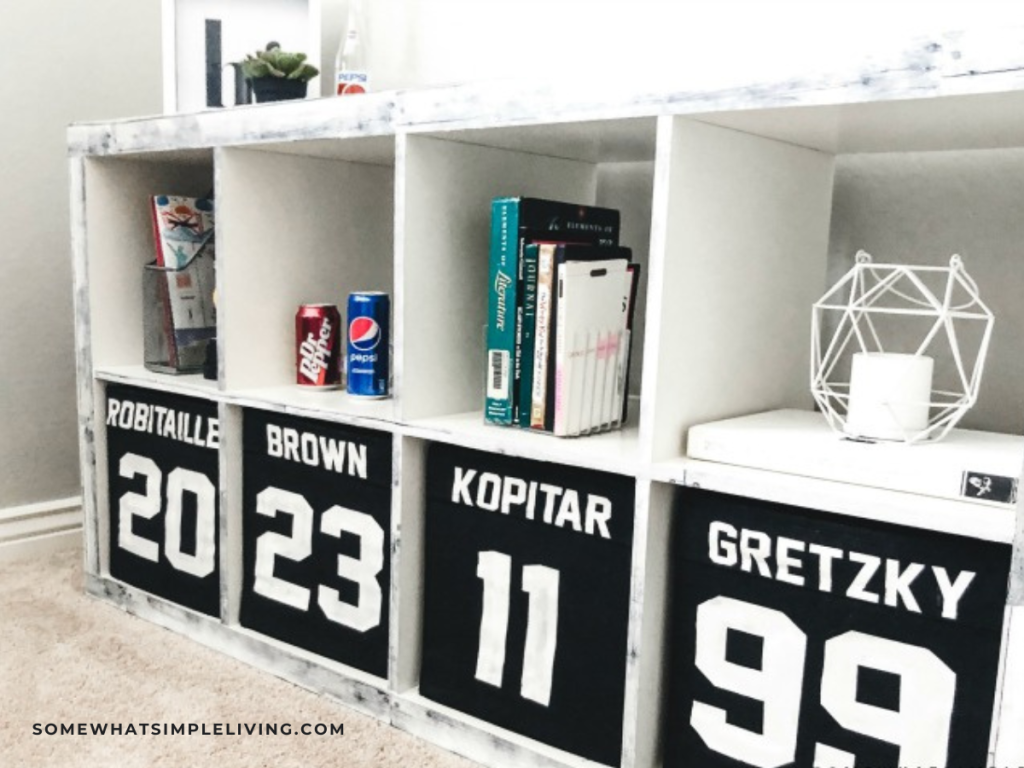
{"x":561,"y":298}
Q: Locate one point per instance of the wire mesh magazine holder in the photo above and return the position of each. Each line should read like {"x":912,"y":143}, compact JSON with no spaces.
{"x":178,"y":313}
{"x":897,"y":321}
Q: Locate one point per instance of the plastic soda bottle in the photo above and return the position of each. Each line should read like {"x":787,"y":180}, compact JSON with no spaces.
{"x":351,"y":76}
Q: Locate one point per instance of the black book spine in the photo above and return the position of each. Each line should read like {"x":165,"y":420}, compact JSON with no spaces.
{"x":552,"y":221}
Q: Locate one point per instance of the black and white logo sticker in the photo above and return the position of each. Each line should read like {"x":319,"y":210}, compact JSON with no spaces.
{"x":996,"y":488}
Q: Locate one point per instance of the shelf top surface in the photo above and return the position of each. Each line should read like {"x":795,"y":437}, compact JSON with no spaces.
{"x":183,"y":384}
{"x":796,"y":458}
{"x":329,"y":405}
{"x":617,"y":451}
{"x":959,"y":90}
{"x":867,"y":496}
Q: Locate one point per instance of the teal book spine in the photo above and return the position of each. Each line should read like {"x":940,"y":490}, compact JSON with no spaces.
{"x":501,"y":310}
{"x":529,"y":328}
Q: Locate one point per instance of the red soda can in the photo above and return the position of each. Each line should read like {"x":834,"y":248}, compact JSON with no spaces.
{"x":318,"y":346}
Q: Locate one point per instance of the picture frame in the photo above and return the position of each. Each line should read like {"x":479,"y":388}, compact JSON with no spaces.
{"x":200,"y":38}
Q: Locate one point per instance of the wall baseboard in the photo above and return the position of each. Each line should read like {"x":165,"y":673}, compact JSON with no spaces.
{"x":34,"y":530}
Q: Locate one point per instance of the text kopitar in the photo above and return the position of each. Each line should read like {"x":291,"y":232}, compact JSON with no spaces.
{"x":551,"y":504}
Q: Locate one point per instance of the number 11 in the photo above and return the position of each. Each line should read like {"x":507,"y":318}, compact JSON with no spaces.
{"x":541,"y":584}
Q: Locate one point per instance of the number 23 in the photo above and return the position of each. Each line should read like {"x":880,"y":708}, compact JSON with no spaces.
{"x":365,"y":614}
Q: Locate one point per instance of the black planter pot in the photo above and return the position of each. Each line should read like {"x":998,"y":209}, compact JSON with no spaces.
{"x":277,"y":89}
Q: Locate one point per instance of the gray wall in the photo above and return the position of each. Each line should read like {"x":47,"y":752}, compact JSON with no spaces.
{"x":101,"y":60}
{"x":920,"y":208}
{"x":68,"y":61}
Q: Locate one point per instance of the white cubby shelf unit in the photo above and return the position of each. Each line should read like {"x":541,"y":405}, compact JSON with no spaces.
{"x":742,"y":206}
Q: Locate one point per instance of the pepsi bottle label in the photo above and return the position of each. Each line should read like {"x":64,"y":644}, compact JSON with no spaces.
{"x":368,"y":345}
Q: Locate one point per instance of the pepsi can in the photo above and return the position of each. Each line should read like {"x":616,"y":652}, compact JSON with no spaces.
{"x":368,"y":344}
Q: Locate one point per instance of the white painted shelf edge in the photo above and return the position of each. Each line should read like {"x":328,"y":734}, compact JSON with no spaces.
{"x":192,"y":384}
{"x":789,"y":455}
{"x":336,"y":406}
{"x":953,"y":63}
{"x":617,"y":452}
{"x":474,"y":738}
{"x":856,"y":501}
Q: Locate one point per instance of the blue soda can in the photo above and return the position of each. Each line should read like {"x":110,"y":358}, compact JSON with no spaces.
{"x":368,"y":354}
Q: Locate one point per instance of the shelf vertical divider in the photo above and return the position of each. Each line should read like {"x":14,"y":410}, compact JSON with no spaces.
{"x":101,"y":486}
{"x":85,"y":391}
{"x":230,"y":513}
{"x":1015,"y":597}
{"x":408,"y":509}
{"x":407,"y":488}
{"x":648,"y":607}
{"x":1007,"y":736}
{"x":220,"y":281}
{"x":655,"y":279}
{"x":398,"y":283}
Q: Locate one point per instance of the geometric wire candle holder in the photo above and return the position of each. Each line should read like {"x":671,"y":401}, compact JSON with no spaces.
{"x":872,"y":335}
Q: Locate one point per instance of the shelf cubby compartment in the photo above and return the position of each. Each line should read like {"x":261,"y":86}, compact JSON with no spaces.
{"x":734,"y":555}
{"x":306,"y":646}
{"x":151,"y":428}
{"x":448,"y":180}
{"x":119,"y":242}
{"x":300,"y":223}
{"x":762,"y":214}
{"x":583,"y":538}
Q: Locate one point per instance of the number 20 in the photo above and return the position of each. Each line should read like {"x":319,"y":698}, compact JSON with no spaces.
{"x":920,"y":727}
{"x":148,"y":505}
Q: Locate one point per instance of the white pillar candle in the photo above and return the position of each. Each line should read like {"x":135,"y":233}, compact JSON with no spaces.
{"x":889,"y":395}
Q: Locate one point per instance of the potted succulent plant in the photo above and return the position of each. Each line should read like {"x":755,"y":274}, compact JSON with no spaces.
{"x":278,"y":75}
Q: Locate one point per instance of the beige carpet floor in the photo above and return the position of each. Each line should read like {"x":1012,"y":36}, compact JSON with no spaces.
{"x":65,"y":658}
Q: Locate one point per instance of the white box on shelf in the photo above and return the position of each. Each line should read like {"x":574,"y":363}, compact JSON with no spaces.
{"x":980,"y":467}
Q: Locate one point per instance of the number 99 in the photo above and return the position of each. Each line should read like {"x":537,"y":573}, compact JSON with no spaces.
{"x":920,"y":727}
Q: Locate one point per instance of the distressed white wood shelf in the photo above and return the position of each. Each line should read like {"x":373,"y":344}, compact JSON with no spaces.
{"x":728,"y":199}
{"x":334,"y":405}
{"x":616,"y":451}
{"x":472,"y":737}
{"x":925,"y":512}
{"x":192,"y":384}
{"x":801,"y":443}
